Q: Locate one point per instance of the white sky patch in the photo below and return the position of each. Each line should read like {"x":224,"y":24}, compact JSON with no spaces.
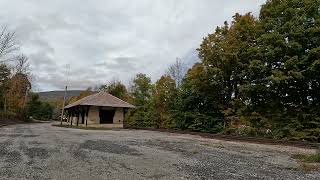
{"x":107,"y":39}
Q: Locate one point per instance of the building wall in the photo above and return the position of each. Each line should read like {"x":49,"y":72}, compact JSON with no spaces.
{"x":93,"y":116}
{"x":118,"y":116}
{"x":74,"y":120}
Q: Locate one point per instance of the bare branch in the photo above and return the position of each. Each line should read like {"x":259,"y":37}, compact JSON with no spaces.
{"x":177,"y":71}
{"x":8,"y":45}
{"x":22,"y":65}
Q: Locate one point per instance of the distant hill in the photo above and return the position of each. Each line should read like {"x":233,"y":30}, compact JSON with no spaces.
{"x":55,"y":95}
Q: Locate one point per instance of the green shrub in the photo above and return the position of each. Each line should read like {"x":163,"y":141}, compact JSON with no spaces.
{"x":7,"y":115}
{"x":314,"y":158}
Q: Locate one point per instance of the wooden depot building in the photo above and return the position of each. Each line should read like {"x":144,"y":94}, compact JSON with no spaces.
{"x":98,"y":110}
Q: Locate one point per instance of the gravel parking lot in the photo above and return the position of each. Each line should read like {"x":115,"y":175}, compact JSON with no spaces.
{"x":42,"y":151}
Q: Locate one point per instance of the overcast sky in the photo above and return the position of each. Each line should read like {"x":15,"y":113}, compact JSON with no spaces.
{"x":106,"y":39}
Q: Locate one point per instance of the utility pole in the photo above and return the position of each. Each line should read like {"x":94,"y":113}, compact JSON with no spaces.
{"x":65,"y":94}
{"x":64,"y":103}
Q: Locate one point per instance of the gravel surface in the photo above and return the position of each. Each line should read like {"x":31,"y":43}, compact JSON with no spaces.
{"x":42,"y":151}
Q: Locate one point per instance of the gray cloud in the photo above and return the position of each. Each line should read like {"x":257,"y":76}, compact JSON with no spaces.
{"x":106,"y":39}
{"x":124,"y":64}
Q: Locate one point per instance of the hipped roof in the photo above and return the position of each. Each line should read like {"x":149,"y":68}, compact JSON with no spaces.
{"x":101,"y":99}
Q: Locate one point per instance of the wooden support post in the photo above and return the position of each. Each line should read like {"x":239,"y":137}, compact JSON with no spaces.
{"x":82,"y":114}
{"x":66,"y":114}
{"x":77,"y":119}
{"x":72,"y":113}
{"x":87,"y":115}
{"x":78,"y":113}
{"x":70,"y":117}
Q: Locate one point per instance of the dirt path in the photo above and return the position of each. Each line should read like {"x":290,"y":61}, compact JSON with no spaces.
{"x":42,"y":151}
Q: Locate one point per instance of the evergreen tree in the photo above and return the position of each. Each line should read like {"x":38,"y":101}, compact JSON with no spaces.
{"x":141,"y":93}
{"x":37,"y":109}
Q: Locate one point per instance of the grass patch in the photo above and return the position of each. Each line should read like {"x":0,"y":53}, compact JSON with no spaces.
{"x":308,"y":162}
{"x":314,"y":158}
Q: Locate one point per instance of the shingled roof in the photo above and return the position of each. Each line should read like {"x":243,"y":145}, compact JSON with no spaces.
{"x":101,"y":99}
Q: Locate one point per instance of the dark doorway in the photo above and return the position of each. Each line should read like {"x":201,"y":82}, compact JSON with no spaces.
{"x":106,"y":116}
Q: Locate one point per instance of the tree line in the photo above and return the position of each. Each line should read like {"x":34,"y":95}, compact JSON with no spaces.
{"x":257,"y":76}
{"x":17,"y":102}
